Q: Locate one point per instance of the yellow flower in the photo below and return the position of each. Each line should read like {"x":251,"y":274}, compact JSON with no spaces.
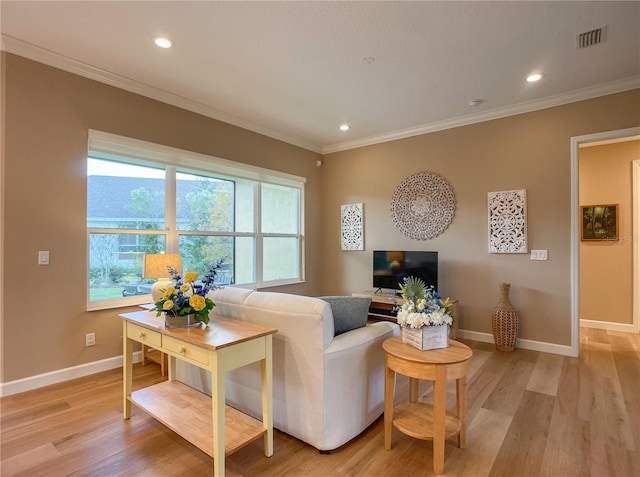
{"x":168,"y":292}
{"x":197,"y":302}
{"x":167,"y":305}
{"x":185,"y":288}
{"x":190,"y":277}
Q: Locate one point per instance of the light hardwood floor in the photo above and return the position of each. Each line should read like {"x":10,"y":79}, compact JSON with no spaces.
{"x":529,"y":414}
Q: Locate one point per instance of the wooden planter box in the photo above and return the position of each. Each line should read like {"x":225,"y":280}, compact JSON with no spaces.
{"x":427,"y":337}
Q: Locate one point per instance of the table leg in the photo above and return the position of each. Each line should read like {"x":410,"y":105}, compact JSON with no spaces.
{"x":127,"y":371}
{"x":143,"y":354}
{"x":461,"y":398}
{"x":413,"y":389}
{"x":171,"y":364}
{"x":439,"y":418}
{"x":163,"y":363}
{"x":267,"y":397}
{"x":218,"y":403}
{"x":389,"y":385}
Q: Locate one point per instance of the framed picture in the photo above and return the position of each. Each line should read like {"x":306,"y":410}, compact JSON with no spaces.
{"x":599,"y":222}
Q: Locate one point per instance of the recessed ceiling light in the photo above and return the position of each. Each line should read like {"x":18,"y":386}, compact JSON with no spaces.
{"x":163,"y":42}
{"x":532,"y":78}
{"x":344,"y":127}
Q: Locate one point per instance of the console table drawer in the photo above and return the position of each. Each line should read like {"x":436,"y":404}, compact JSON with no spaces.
{"x":193,"y":352}
{"x":144,"y":336}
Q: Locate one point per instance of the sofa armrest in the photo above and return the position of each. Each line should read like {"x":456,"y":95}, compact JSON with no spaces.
{"x":359,"y":336}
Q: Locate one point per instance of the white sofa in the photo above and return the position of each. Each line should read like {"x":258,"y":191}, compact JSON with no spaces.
{"x":327,"y":389}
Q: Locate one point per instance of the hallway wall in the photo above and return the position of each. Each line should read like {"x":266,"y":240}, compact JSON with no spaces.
{"x":606,"y":267}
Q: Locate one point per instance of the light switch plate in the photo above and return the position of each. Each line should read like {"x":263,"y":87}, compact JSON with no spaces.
{"x":43,"y":257}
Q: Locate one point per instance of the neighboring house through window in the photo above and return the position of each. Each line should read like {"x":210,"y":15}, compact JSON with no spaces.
{"x":146,"y":198}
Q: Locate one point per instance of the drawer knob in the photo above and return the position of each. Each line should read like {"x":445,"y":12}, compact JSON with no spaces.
{"x":182,"y":349}
{"x":142,"y":334}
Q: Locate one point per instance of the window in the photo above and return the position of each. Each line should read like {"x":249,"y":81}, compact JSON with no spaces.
{"x":144,"y":198}
{"x":280,"y":231}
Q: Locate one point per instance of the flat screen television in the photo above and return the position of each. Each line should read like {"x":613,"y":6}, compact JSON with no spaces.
{"x":390,"y":267}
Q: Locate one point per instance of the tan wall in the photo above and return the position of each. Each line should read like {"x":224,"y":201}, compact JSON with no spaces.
{"x":48,"y":113}
{"x":529,"y":151}
{"x":606,"y":271}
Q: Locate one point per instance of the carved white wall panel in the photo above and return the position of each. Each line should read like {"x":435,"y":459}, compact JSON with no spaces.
{"x":508,"y":221}
{"x":352,"y":222}
{"x":423,"y":205}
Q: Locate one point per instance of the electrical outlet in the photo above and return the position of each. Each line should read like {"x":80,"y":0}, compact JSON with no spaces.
{"x":538,"y":255}
{"x":90,"y":339}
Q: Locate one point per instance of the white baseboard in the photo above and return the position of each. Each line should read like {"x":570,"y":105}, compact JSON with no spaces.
{"x":607,"y":325}
{"x":61,"y":375}
{"x":542,"y":346}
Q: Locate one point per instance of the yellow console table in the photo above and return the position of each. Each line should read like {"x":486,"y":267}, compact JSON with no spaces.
{"x":204,"y":421}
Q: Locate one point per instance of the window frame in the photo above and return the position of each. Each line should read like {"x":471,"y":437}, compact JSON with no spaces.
{"x":111,"y":147}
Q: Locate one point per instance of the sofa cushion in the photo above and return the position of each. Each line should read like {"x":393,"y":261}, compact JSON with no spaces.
{"x":349,"y":312}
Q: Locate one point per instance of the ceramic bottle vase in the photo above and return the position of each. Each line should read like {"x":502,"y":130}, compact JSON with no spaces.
{"x":504,"y":321}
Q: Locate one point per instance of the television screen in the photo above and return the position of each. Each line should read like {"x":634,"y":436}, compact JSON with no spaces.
{"x":391,"y":267}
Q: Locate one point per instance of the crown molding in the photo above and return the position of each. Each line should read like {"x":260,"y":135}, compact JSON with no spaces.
{"x":47,"y":57}
{"x":50,"y":58}
{"x":512,"y":110}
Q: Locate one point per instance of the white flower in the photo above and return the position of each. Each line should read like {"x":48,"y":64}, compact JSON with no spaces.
{"x":418,"y":320}
{"x":423,"y":309}
{"x":435,"y":318}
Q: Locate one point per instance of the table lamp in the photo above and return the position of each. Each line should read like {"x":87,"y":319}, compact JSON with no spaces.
{"x":155,"y":266}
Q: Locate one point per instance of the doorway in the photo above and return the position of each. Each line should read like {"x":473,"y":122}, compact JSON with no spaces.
{"x":576,"y":224}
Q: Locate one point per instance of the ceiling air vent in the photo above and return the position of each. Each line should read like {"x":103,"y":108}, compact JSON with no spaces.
{"x":590,"y":38}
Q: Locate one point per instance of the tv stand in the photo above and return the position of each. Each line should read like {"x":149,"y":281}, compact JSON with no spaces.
{"x":383,"y":305}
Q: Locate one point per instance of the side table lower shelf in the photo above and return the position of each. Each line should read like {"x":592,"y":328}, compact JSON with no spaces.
{"x":188,"y":413}
{"x":416,"y":420}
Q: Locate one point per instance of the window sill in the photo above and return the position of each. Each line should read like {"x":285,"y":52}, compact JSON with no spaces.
{"x":119,"y":303}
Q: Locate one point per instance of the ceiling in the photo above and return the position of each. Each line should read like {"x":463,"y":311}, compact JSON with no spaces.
{"x":295,"y":71}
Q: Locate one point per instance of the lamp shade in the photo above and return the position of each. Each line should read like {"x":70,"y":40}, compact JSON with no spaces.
{"x":155,"y":264}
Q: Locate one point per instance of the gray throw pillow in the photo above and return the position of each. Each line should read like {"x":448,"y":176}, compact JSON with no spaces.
{"x":349,"y":312}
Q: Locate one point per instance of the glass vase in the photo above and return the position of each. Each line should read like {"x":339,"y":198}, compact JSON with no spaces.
{"x":183,"y":321}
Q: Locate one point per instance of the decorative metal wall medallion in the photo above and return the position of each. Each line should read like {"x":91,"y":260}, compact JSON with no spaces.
{"x":508,"y":221}
{"x":423,"y":205}
{"x":352,"y":227}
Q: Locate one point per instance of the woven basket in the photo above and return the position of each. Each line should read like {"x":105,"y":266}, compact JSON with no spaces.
{"x":504,"y":321}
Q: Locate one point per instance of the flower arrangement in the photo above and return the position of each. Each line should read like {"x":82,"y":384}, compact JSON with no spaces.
{"x":422,"y":306}
{"x":187,"y":295}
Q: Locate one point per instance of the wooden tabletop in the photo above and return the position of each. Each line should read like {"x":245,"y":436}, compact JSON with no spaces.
{"x":220,"y":333}
{"x":455,"y":353}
